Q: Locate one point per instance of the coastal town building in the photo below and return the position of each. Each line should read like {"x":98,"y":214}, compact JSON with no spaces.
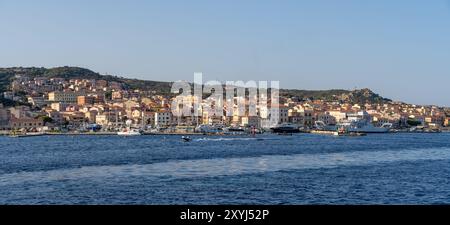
{"x":59,"y":106}
{"x":20,"y":112}
{"x":251,"y":121}
{"x":90,"y":99}
{"x":163,"y":118}
{"x":284,"y":114}
{"x":74,"y":103}
{"x":25,"y":123}
{"x":64,"y":96}
{"x":56,"y":116}
{"x":74,"y":119}
{"x":338,"y":115}
{"x":103,"y":119}
{"x":91,"y":116}
{"x":327,"y":118}
{"x":85,"y":100}
{"x":37,"y":101}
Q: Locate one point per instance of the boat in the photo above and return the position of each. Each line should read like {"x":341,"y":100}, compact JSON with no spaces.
{"x":28,"y":134}
{"x":129,"y":132}
{"x":286,"y":128}
{"x":186,"y":138}
{"x":349,"y":134}
{"x":321,"y":126}
{"x":208,"y":129}
{"x":234,"y":131}
{"x":361,"y":123}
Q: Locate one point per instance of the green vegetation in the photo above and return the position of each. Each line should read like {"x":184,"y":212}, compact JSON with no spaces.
{"x":7,"y":75}
{"x":108,"y":95}
{"x":313,"y":95}
{"x":5,"y":80}
{"x":413,"y":123}
{"x":362,"y":96}
{"x":7,"y":102}
{"x":47,"y":119}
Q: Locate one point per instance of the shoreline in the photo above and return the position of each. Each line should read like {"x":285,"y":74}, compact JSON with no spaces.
{"x":7,"y":134}
{"x":115,"y":134}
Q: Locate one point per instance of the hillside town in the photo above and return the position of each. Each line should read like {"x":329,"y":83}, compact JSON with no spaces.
{"x":89,"y":105}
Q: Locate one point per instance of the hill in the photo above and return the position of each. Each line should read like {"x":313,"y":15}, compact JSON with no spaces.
{"x":7,"y":76}
{"x":361,"y":96}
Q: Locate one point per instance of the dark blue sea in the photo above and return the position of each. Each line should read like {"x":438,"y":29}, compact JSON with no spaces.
{"x":269,"y":169}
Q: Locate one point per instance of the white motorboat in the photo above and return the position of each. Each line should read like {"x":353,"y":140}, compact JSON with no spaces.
{"x":129,"y":132}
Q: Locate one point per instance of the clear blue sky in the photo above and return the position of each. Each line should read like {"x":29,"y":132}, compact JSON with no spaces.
{"x":400,"y":48}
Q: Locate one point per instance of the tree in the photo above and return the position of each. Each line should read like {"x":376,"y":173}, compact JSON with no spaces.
{"x":108,"y":95}
{"x":413,"y":123}
{"x":45,"y":119}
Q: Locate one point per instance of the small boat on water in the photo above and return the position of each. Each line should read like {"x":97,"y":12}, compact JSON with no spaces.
{"x":186,"y":138}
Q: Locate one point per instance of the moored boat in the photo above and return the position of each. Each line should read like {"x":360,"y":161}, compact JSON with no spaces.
{"x":129,"y":132}
{"x":286,"y":128}
{"x":361,"y":123}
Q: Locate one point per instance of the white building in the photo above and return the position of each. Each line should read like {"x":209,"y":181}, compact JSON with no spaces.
{"x":59,"y":106}
{"x":326,"y":118}
{"x":20,"y":112}
{"x":338,"y":115}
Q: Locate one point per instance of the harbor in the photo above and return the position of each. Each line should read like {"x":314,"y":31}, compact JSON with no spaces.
{"x":354,"y":125}
{"x":281,"y":132}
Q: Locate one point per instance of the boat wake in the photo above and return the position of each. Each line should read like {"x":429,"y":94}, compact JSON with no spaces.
{"x":228,"y":166}
{"x":231,"y":139}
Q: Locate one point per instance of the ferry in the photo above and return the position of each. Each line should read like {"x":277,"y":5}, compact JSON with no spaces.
{"x":361,"y":123}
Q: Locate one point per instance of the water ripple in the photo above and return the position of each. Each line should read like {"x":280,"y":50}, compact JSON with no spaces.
{"x":228,"y":166}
